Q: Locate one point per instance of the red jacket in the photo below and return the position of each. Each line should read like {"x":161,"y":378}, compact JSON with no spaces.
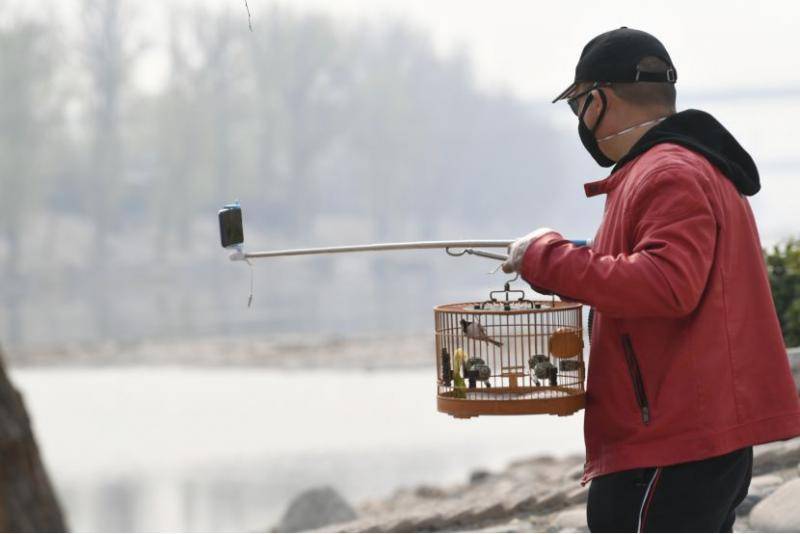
{"x":687,"y":360}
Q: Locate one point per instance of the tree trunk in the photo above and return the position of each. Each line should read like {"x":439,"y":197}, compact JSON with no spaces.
{"x":27,"y":500}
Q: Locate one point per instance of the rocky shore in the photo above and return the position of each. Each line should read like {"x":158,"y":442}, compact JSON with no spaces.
{"x":541,"y":494}
{"x":535,"y":494}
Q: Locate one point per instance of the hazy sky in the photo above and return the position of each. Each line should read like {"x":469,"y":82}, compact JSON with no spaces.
{"x":531,"y":47}
{"x":720,"y":48}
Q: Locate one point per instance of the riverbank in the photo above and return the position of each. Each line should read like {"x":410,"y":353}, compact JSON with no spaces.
{"x":543,"y":494}
{"x":394,"y":351}
{"x":401,"y":439}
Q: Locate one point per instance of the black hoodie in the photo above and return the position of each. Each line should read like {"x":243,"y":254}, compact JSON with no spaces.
{"x":700,"y":132}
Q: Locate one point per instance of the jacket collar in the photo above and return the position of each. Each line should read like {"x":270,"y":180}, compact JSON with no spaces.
{"x":699,"y":132}
{"x":605,"y":185}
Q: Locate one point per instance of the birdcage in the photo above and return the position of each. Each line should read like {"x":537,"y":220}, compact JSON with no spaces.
{"x":509,"y":357}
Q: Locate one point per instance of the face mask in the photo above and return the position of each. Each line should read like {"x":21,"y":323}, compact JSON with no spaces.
{"x":587,"y":135}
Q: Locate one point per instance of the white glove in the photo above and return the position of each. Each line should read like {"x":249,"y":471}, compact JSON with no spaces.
{"x":518,"y":248}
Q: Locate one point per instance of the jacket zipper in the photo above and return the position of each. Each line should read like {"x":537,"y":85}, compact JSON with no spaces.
{"x":636,"y":377}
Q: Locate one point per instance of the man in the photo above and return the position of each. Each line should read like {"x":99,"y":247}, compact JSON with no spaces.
{"x":687,"y":366}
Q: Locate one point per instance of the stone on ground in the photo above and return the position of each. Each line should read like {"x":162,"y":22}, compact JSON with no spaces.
{"x":780,"y":511}
{"x":315,"y":508}
{"x":760,"y":487}
{"x":571,"y":520}
{"x":774,"y":456}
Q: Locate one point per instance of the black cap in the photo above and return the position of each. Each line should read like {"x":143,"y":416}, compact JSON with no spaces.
{"x":614,"y":57}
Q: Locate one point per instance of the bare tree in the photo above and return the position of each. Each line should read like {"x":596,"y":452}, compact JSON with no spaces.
{"x":108,"y":57}
{"x":301,"y":99}
{"x":27,"y":70}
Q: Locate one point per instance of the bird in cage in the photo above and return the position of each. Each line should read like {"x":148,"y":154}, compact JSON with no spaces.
{"x":459,"y":386}
{"x":533,"y":362}
{"x":474,"y":330}
{"x":478,"y":370}
{"x":569,"y":365}
{"x":447,"y":371}
{"x":484,"y":372}
{"x":553,"y":376}
{"x":546,"y":371}
{"x":536,"y":359}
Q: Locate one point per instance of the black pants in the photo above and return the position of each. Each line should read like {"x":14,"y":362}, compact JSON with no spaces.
{"x":697,"y":496}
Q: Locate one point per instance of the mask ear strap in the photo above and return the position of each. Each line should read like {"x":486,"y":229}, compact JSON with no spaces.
{"x":602,"y":111}
{"x":588,"y":101}
{"x":585,"y":107}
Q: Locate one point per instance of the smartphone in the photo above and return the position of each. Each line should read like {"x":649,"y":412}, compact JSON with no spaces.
{"x":231,"y":231}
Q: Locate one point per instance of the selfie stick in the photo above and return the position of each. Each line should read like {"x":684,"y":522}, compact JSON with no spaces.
{"x":232,"y":235}
{"x":231,"y":231}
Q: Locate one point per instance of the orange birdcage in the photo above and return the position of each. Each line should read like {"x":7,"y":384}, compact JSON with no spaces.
{"x":509,"y":357}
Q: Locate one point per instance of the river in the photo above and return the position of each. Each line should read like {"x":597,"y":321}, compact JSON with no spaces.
{"x":216,"y":449}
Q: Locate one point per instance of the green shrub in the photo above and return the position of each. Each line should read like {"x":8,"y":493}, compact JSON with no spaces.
{"x":783,"y":266}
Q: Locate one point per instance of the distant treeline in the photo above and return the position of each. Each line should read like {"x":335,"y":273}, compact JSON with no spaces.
{"x":327,"y":133}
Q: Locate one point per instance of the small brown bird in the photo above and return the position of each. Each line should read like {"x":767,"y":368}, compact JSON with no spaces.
{"x":543,"y":370}
{"x":474,"y":330}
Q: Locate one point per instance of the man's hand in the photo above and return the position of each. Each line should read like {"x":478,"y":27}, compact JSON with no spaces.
{"x":517,"y":250}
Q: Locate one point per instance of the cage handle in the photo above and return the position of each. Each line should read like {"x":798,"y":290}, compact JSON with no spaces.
{"x":507,"y":291}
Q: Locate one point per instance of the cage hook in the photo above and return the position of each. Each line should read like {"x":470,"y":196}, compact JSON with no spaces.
{"x":455,"y":254}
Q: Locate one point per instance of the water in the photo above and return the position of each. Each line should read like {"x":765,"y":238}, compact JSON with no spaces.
{"x":213,"y":449}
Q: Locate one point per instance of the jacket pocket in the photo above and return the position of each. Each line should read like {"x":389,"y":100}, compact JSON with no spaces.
{"x":636,"y":378}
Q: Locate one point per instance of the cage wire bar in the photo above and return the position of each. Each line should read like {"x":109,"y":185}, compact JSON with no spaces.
{"x":537,"y":337}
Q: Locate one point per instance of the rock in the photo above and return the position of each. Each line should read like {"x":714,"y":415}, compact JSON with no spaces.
{"x":778,"y":512}
{"x":578,"y":495}
{"x":515,"y":525}
{"x":315,"y":508}
{"x":775,"y":456}
{"x":427,"y":522}
{"x":472,"y":510}
{"x":551,"y":500}
{"x":763,"y":483}
{"x":373,"y":524}
{"x":524,"y":497}
{"x":520,"y":502}
{"x":478,"y":476}
{"x":747,"y":504}
{"x":572,"y":520}
{"x":27,"y":500}
{"x":429,"y":492}
{"x":483,"y":512}
{"x":760,"y":487}
{"x":414,"y":523}
{"x":741,"y":525}
{"x":794,"y":362}
{"x":574,"y":474}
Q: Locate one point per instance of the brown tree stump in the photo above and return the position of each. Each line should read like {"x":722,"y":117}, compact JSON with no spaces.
{"x":27,"y":500}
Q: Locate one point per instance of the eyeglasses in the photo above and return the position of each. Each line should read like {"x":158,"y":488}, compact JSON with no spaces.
{"x":573,"y":100}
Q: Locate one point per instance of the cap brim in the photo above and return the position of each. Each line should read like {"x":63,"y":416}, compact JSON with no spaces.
{"x":566,"y":92}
